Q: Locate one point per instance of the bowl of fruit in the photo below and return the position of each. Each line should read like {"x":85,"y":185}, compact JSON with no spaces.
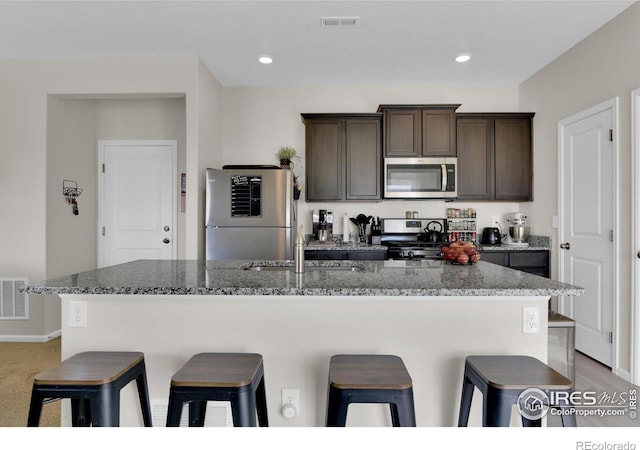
{"x":460,"y":253}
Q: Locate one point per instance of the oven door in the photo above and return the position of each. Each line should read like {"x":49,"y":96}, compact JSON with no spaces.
{"x":420,"y":178}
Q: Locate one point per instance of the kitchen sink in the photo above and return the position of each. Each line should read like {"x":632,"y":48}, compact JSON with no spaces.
{"x":349,"y":268}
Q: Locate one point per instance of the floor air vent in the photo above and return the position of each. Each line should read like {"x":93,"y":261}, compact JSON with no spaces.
{"x":337,"y":22}
{"x":218,"y":415}
{"x":13,"y":304}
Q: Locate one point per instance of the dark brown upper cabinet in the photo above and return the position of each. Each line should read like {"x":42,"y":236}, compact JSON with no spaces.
{"x":419,"y":130}
{"x":495,"y":160}
{"x":343,"y":155}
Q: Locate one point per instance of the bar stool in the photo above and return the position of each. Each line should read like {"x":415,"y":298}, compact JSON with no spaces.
{"x":503,"y":378}
{"x":369,"y":379}
{"x":234,"y":377}
{"x":92,"y":380}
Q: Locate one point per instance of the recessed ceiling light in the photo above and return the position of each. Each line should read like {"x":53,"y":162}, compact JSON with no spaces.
{"x":265,"y":59}
{"x":463,"y":58}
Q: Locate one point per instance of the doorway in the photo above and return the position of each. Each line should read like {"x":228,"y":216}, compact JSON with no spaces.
{"x":137,"y":187}
{"x":587,"y":198}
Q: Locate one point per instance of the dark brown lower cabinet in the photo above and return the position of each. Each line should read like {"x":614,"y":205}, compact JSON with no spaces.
{"x":536,"y":262}
{"x":366,"y":255}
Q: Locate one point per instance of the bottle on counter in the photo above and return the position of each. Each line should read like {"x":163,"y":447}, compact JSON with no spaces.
{"x":298,"y":254}
{"x":345,"y":228}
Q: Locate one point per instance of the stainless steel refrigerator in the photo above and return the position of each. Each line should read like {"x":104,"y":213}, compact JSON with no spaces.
{"x":250,"y":213}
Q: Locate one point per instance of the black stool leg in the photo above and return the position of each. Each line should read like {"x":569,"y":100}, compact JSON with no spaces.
{"x":337,"y":407}
{"x":261,"y":404}
{"x":496,"y":410}
{"x":143,"y":395}
{"x":174,"y":409}
{"x":243,"y":408}
{"x":465,"y":402}
{"x":531,"y":423}
{"x":405,"y":410}
{"x":80,"y":412}
{"x":35,"y":408}
{"x":105,"y":407}
{"x":197,"y":413}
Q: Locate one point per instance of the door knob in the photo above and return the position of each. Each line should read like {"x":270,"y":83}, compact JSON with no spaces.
{"x":638,"y":254}
{"x":165,"y":241}
{"x":565,"y":246}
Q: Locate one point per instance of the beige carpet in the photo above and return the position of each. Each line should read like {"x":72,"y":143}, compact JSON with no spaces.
{"x":19,"y":363}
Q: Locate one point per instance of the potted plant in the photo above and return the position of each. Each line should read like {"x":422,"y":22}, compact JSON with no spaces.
{"x":285,"y":155}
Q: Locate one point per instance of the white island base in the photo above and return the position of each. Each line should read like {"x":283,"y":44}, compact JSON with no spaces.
{"x":298,"y":335}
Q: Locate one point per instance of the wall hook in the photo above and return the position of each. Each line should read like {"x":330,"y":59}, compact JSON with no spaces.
{"x":71,"y":192}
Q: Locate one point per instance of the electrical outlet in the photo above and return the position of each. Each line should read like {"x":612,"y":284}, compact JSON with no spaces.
{"x":495,"y":220}
{"x":290,"y":400}
{"x":530,"y":320}
{"x":77,"y":314}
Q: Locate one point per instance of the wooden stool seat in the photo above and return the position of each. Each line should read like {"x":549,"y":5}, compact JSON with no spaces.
{"x":234,"y":377}
{"x":502,"y":379}
{"x":369,"y":379}
{"x":92,"y":380}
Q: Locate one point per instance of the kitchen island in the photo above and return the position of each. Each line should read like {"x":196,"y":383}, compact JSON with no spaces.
{"x":430,"y":313}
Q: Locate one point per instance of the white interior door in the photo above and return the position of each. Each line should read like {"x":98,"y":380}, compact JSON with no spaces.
{"x":137,"y":201}
{"x":587,"y":223}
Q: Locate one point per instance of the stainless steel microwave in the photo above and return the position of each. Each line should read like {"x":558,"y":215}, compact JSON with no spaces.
{"x":420,"y":178}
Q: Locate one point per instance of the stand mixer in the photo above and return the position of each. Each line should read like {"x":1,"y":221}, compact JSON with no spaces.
{"x":518,"y":231}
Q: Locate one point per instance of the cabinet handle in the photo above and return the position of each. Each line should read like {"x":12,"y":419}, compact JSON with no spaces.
{"x":566,"y":246}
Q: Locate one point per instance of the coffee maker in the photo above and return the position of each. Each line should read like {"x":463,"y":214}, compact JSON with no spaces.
{"x":322,"y":221}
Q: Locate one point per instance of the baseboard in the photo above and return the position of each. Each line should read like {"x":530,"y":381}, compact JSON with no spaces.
{"x":624,"y":374}
{"x":30,"y":338}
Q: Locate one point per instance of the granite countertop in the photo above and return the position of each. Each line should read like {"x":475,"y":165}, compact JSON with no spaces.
{"x":512,"y":248}
{"x":321,"y":278}
{"x":339,"y":246}
{"x":536,"y":243}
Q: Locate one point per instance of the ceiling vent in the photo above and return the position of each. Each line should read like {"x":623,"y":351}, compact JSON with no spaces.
{"x":340,"y":22}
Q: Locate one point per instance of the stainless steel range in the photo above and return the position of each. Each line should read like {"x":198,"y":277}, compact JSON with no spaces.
{"x":411,"y":239}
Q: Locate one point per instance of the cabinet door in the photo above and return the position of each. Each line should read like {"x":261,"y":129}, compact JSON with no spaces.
{"x":324,"y":160}
{"x":532,"y":261}
{"x":403,"y":133}
{"x":364,"y":156}
{"x":513,"y":159}
{"x":495,"y":258}
{"x":475,"y":159}
{"x":438,"y":133}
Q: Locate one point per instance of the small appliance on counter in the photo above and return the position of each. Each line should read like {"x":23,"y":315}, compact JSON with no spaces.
{"x":322,"y":221}
{"x":491,"y":236}
{"x":518,"y":231}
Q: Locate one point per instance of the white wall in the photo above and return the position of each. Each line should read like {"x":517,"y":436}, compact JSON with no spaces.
{"x":258,"y":121}
{"x":26,"y":244}
{"x":603,"y":66}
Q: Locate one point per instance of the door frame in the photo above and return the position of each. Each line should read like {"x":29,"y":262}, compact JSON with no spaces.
{"x":635,"y":264}
{"x":102,"y":143}
{"x":562,"y":125}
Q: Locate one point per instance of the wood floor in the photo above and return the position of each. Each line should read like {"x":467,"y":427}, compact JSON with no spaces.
{"x":592,"y":376}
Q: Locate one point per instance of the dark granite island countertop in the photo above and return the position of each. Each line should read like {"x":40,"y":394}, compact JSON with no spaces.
{"x":321,"y":278}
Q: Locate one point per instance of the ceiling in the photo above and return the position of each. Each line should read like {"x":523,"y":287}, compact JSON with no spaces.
{"x":394,"y":42}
